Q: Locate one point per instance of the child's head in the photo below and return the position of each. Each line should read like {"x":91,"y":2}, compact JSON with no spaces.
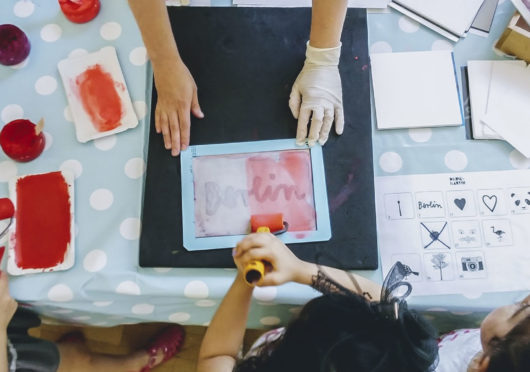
{"x":343,"y":333}
{"x":505,"y":336}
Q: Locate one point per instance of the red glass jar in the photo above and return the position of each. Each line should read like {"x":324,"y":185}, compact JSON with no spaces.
{"x":80,"y":11}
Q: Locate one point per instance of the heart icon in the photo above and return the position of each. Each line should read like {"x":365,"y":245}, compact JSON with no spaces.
{"x":490,"y":201}
{"x":460,"y":203}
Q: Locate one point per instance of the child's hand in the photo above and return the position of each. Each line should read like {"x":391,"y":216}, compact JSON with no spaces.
{"x":281,"y":265}
{"x":177,"y":96}
{"x":8,"y":306}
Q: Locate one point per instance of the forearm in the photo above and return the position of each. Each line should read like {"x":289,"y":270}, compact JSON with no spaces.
{"x":225,"y":334}
{"x":308,"y":271}
{"x":3,"y":350}
{"x":327,"y":20}
{"x":153,"y":21}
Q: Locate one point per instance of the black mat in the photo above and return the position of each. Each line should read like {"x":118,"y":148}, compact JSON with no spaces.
{"x":245,"y":61}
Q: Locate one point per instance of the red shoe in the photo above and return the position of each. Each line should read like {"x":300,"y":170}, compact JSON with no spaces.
{"x":168,"y":341}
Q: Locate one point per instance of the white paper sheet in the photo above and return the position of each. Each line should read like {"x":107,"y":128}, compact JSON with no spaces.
{"x":508,"y":108}
{"x":464,"y":233}
{"x":415,"y":89}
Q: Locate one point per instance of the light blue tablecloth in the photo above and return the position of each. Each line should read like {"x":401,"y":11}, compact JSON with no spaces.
{"x":106,"y":286}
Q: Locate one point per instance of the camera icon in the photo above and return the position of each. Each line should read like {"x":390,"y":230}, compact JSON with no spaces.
{"x":472,"y":264}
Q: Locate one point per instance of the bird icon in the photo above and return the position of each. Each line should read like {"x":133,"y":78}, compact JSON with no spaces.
{"x":499,"y":233}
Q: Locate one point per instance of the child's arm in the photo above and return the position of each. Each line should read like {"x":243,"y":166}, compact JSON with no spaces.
{"x":224,"y":336}
{"x":176,"y":89}
{"x":327,"y":20}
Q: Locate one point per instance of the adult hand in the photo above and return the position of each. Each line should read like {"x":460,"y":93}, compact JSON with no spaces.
{"x":8,"y":306}
{"x":281,"y":266}
{"x":177,"y":96}
{"x":317,"y":94}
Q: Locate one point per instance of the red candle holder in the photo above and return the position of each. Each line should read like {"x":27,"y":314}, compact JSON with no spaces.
{"x":80,"y":11}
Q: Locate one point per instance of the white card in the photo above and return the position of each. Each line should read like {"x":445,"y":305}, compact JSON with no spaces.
{"x":415,"y":89}
{"x":91,"y":123}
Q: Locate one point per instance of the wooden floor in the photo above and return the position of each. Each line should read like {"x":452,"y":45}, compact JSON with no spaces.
{"x":122,"y":340}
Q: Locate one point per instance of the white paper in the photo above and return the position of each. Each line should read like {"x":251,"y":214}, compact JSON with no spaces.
{"x":523,"y":6}
{"x":456,"y":16}
{"x":70,"y":69}
{"x":307,"y":3}
{"x":508,"y":108}
{"x":464,"y":233}
{"x":415,"y":89}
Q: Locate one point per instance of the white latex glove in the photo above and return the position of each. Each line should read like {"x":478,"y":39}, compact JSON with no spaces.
{"x":317,"y":94}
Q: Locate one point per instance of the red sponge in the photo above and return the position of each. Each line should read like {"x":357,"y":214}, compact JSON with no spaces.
{"x":273,"y":221}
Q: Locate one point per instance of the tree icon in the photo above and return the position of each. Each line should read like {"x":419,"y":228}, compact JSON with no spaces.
{"x":438,"y":262}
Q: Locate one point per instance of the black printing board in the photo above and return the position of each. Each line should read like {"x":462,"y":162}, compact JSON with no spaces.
{"x":244,"y":61}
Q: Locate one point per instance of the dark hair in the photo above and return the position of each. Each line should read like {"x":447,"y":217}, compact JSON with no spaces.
{"x":511,"y":353}
{"x":344,"y":333}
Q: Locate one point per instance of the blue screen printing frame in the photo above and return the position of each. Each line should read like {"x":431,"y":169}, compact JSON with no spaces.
{"x":320,"y":196}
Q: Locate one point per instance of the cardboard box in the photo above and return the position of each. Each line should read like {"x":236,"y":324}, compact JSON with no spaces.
{"x":515,"y":40}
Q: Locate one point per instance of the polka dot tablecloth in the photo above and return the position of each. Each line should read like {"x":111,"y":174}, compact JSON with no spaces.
{"x":106,"y":286}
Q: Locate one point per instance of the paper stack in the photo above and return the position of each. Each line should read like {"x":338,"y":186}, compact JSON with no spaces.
{"x":450,"y":18}
{"x":499,"y":93}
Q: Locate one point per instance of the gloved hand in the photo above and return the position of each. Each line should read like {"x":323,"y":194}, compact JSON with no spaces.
{"x":317,"y":94}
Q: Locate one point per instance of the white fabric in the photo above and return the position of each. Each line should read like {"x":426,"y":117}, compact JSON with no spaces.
{"x":265,"y":338}
{"x":317,"y":94}
{"x":457,"y":349}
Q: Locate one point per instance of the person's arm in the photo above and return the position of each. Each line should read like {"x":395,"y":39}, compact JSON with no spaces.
{"x":224,"y":336}
{"x":176,"y":89}
{"x":8,"y":306}
{"x":317,"y":92}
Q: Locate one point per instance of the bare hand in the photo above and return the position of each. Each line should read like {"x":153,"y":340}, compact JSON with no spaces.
{"x":177,"y":96}
{"x":8,"y":306}
{"x":282,"y":265}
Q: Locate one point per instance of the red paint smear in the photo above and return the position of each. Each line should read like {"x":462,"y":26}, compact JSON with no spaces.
{"x":283,"y":186}
{"x":2,"y":251}
{"x":100,"y":99}
{"x":7,"y":210}
{"x":42,"y":221}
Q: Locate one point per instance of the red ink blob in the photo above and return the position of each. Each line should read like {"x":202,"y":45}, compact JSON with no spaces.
{"x":80,"y":11}
{"x":42,"y":221}
{"x":283,"y":186}
{"x":100,"y":99}
{"x":7,"y":210}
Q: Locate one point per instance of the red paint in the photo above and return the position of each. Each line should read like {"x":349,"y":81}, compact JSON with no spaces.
{"x":273,"y":221}
{"x":101,"y":101}
{"x":283,"y":185}
{"x":43,"y":221}
{"x":2,"y":251}
{"x":7,"y":210}
{"x":80,"y":11}
{"x":21,"y":140}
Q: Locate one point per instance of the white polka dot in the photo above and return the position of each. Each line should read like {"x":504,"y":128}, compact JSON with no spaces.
{"x":408,"y":25}
{"x":45,"y":85}
{"x":270,"y":320}
{"x":99,"y":324}
{"x":102,"y":303}
{"x":442,"y":45}
{"x":179,"y":317}
{"x":518,"y":160}
{"x":206,"y":324}
{"x":95,"y":260}
{"x":265,"y":293}
{"x":81,"y":317}
{"x":456,"y":160}
{"x":142,"y":309}
{"x":49,"y":141}
{"x":11,"y":112}
{"x":78,"y":52}
{"x":196,"y":289}
{"x":429,"y":317}
{"x":51,"y":32}
{"x":461,"y":313}
{"x":163,"y":269}
{"x":295,"y":310}
{"x":67,"y":113}
{"x":101,"y":199}
{"x":390,"y":162}
{"x":60,"y":293}
{"x":63,"y":311}
{"x":110,"y":31}
{"x":130,"y":228}
{"x":128,"y":288}
{"x":205,"y":303}
{"x":23,"y":8}
{"x":73,"y":166}
{"x":472,"y":295}
{"x":436,"y":309}
{"x":420,"y":134}
{"x":138,"y":56}
{"x":140,"y":108}
{"x":105,"y":143}
{"x":380,"y":47}
{"x":134,"y":168}
{"x":20,"y":65}
{"x":8,"y":170}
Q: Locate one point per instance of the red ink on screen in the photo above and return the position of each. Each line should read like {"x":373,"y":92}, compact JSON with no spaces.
{"x":42,"y":221}
{"x":101,"y":101}
{"x":283,"y":185}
